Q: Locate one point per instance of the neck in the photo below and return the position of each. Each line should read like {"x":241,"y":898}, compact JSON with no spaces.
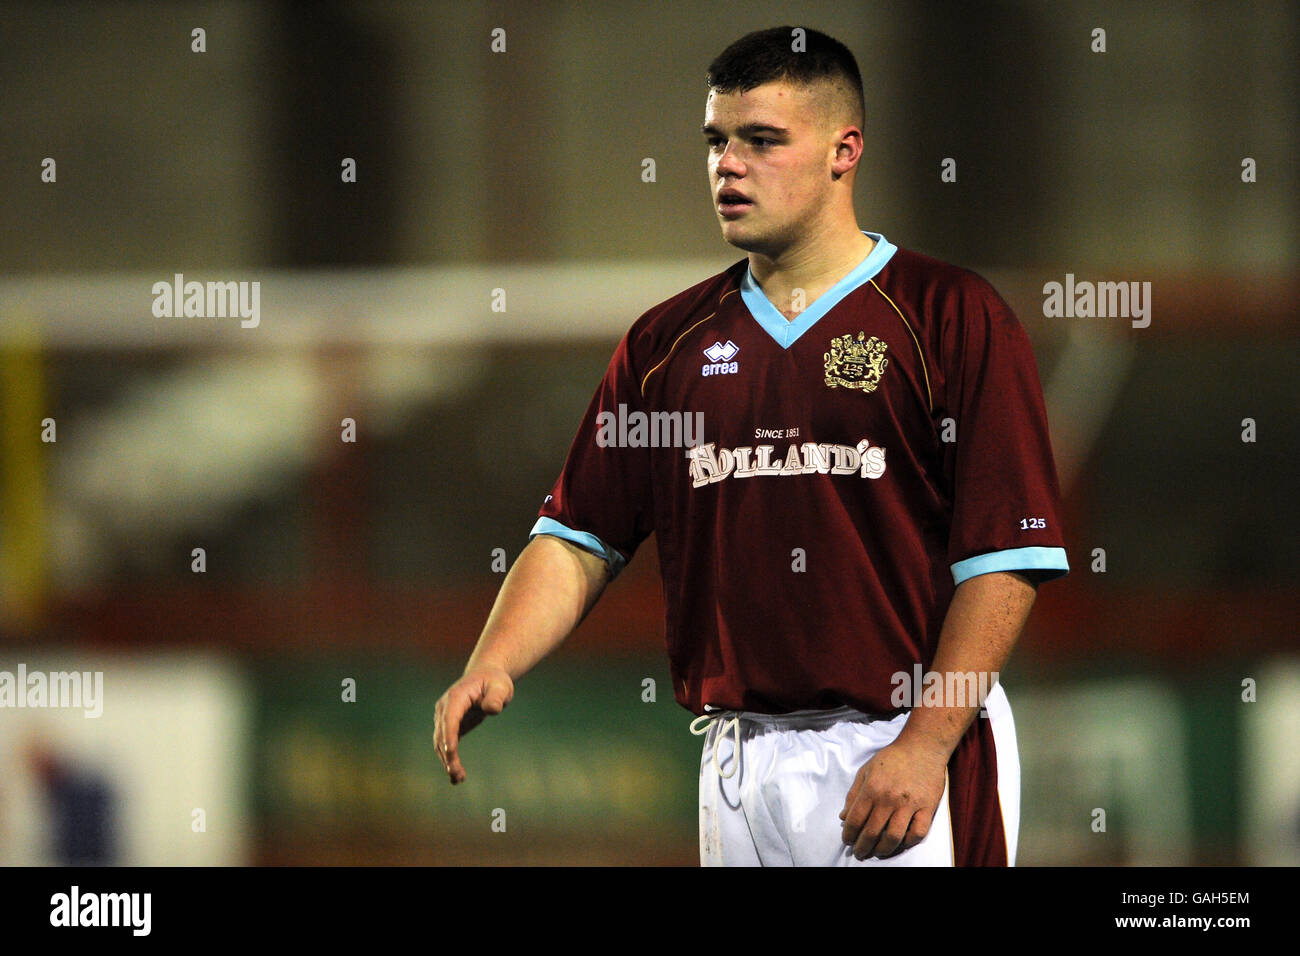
{"x":813,"y":266}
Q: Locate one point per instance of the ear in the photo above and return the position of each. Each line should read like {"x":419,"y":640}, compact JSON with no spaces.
{"x":848,"y":151}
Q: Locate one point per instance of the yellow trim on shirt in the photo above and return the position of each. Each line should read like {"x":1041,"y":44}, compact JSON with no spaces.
{"x":920,"y":351}
{"x":679,"y":338}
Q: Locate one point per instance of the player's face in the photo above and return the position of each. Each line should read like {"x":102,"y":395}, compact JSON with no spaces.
{"x":770,"y":155}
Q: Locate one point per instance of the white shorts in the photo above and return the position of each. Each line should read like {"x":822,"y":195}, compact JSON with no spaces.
{"x":777,"y":802}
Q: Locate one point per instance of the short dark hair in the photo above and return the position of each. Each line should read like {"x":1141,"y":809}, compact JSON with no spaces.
{"x":767,"y":56}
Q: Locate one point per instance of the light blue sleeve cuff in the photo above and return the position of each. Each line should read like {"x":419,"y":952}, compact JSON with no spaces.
{"x":588,"y":542}
{"x":1051,"y":560}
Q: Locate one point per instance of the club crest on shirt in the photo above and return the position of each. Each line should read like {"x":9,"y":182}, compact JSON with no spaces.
{"x":853,"y":363}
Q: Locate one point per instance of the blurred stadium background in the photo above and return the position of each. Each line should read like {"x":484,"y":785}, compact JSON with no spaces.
{"x":373,"y":560}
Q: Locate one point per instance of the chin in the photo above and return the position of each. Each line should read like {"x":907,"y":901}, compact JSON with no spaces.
{"x":740,"y":237}
{"x":746,"y":241}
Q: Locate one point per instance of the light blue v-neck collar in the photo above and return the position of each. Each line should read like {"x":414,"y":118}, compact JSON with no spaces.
{"x":784,"y":331}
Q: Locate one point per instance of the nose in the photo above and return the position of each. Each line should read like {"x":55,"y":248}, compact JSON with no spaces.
{"x":729,"y":164}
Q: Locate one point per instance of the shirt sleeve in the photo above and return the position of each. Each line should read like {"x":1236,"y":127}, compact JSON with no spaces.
{"x":602,"y":500}
{"x":1006,"y":499}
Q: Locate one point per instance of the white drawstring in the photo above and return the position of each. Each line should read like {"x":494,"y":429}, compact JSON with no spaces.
{"x":699,"y":730}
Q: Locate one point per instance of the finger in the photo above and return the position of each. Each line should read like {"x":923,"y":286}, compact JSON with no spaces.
{"x":853,"y":814}
{"x":855,"y":791}
{"x":457,"y":705}
{"x":894,"y":834}
{"x":438,"y":734}
{"x":440,"y":725}
{"x":857,"y":815}
{"x":918,"y":830}
{"x":852,"y":796}
{"x":865,"y":845}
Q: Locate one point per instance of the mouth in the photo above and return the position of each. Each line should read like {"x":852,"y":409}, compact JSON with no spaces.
{"x":732,"y":203}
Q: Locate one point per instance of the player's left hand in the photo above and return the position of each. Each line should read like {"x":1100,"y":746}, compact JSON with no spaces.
{"x":893,"y":799}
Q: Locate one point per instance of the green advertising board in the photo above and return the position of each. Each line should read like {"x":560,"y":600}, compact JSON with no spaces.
{"x":591,"y":756}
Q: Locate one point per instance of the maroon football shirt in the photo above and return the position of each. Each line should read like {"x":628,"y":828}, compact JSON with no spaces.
{"x":848,"y":470}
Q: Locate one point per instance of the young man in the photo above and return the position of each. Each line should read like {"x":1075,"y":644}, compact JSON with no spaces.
{"x":852,"y":547}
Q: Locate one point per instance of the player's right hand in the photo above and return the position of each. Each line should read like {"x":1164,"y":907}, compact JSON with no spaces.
{"x":480,"y":693}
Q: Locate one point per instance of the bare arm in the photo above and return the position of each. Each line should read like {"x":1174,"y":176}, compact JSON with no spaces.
{"x":983,"y":623}
{"x":896,"y":793}
{"x":545,"y":596}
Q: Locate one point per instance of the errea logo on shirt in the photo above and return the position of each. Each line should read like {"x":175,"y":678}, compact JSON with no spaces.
{"x":721,"y":356}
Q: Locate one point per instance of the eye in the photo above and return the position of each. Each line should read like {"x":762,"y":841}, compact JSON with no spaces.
{"x":762,"y":142}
